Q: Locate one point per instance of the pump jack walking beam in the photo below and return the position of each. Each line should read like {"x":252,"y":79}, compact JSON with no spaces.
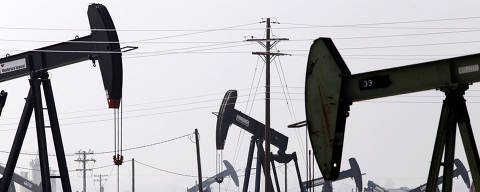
{"x":330,"y":89}
{"x":102,"y":45}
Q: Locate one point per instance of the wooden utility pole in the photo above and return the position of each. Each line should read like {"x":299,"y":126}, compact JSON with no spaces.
{"x":100,"y":179}
{"x":83,"y":159}
{"x":133,"y":175}
{"x":199,"y":164}
{"x":267,"y":57}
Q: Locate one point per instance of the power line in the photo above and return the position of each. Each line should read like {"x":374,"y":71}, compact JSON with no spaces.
{"x":143,"y":109}
{"x":216,"y":46}
{"x":148,"y":145}
{"x":106,"y":152}
{"x":395,"y":22}
{"x":166,"y":171}
{"x":216,"y":42}
{"x":192,"y":33}
{"x":236,"y":26}
{"x":168,"y":52}
{"x":187,"y":48}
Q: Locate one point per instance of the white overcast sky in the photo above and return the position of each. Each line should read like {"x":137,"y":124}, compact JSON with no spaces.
{"x":392,"y":138}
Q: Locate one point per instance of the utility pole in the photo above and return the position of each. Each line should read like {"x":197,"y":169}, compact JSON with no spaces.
{"x":100,"y":179}
{"x":133,"y":175}
{"x":267,"y":57}
{"x":82,"y":158}
{"x":199,"y":164}
{"x":286,"y":177}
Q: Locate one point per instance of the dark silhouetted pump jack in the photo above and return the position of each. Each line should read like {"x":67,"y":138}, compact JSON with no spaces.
{"x":218,"y":178}
{"x":330,"y":89}
{"x":101,"y":45}
{"x":461,"y":171}
{"x":227,"y":116}
{"x":354,"y":173}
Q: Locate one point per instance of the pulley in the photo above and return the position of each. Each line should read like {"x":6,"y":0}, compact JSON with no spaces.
{"x":118,"y":135}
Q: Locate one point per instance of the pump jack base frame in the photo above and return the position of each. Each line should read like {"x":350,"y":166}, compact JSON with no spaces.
{"x":260,"y":164}
{"x":454,"y":111}
{"x":34,"y":103}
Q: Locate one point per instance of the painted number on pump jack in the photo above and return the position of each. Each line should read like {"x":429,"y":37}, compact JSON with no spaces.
{"x":374,"y":82}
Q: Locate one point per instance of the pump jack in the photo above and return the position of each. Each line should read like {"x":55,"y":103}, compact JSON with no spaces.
{"x":354,"y":172}
{"x":227,"y":116}
{"x":218,"y":178}
{"x":330,"y":89}
{"x":102,"y":45}
{"x":23,"y":182}
{"x":460,"y":171}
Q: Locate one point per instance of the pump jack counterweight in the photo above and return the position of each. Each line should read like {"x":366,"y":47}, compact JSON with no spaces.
{"x":36,"y":64}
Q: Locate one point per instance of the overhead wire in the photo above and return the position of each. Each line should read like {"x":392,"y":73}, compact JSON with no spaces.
{"x":166,"y":171}
{"x":107,"y":152}
{"x":135,"y":110}
{"x":217,"y":42}
{"x":235,"y":27}
{"x":142,"y":115}
{"x":241,"y":131}
{"x":138,"y":110}
{"x":192,"y":33}
{"x":399,"y":22}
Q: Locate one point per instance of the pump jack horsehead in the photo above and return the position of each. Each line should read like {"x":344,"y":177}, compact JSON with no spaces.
{"x":101,"y":45}
{"x":330,"y":89}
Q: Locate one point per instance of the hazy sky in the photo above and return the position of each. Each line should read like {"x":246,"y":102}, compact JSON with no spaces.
{"x":174,"y":90}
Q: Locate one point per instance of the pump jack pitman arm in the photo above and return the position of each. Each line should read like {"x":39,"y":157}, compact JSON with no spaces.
{"x":330,"y":89}
{"x":228,"y":115}
{"x":102,"y":45}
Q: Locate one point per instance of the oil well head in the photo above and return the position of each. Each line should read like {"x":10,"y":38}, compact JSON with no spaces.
{"x":231,"y":172}
{"x":462,"y":172}
{"x":326,"y":112}
{"x":356,"y":173}
{"x":108,"y":54}
{"x":225,"y":117}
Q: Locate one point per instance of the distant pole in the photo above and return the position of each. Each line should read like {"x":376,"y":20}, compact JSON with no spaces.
{"x":100,"y":179}
{"x":118,"y":178}
{"x":309,"y":171}
{"x":84,"y":173}
{"x":133,"y":175}
{"x":313,"y":171}
{"x":199,"y":165}
{"x":306,"y":153}
{"x":83,"y":159}
{"x":286,"y":177}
